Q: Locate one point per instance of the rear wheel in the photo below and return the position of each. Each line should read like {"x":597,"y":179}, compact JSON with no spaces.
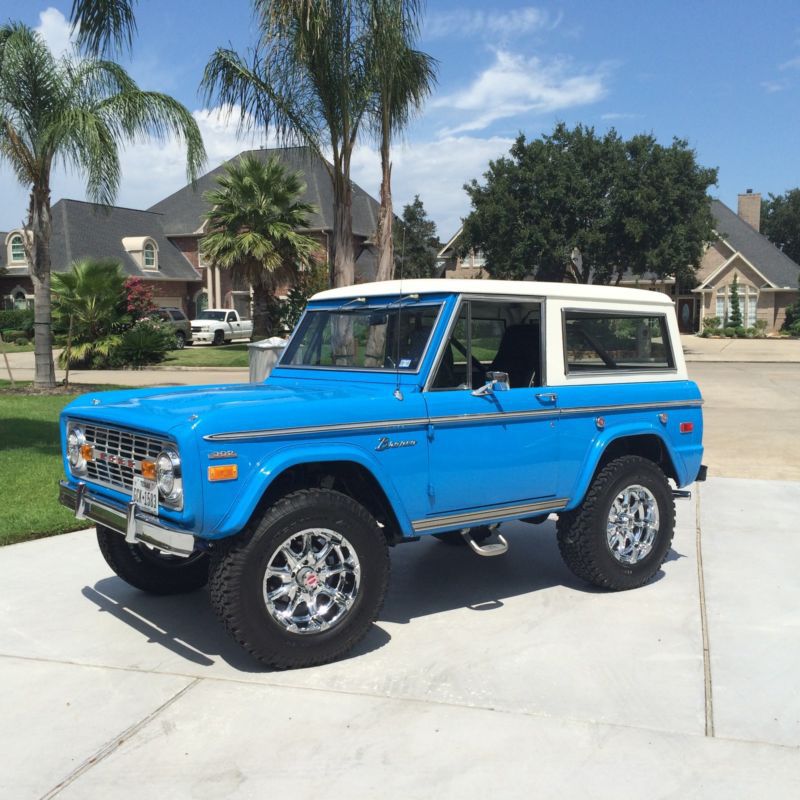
{"x":149,"y":569}
{"x":621,"y":533}
{"x":306,"y":584}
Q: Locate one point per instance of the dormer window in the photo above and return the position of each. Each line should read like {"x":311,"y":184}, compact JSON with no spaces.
{"x":16,"y":249}
{"x":150,"y":256}
{"x":143,"y":250}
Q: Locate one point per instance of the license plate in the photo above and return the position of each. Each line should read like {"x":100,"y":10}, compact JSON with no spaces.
{"x":145,"y":494}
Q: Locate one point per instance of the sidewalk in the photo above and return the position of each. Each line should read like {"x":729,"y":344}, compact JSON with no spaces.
{"x":482,"y":678}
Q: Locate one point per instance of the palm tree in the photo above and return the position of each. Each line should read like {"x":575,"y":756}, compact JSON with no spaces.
{"x":89,"y":300}
{"x":252,"y":230}
{"x":308,"y":78}
{"x":103,"y":27}
{"x":76,"y":112}
{"x":403,"y":78}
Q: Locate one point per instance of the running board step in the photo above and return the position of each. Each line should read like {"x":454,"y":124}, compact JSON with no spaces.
{"x":497,"y":548}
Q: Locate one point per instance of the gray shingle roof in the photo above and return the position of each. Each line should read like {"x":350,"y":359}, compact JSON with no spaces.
{"x":185,"y":209}
{"x":754,"y":246}
{"x":84,"y":230}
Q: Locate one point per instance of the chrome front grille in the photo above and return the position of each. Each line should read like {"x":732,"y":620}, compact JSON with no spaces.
{"x":118,"y":455}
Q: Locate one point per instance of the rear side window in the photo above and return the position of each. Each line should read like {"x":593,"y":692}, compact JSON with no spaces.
{"x":602,"y":341}
{"x":178,"y":315}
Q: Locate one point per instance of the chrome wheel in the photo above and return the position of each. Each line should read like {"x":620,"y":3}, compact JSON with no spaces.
{"x":632,"y":524}
{"x":312,"y":581}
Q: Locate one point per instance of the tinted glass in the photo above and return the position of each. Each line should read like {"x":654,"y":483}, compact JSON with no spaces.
{"x":598,"y":341}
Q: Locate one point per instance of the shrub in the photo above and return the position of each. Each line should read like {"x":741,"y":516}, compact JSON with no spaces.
{"x":750,"y":332}
{"x":711,"y":325}
{"x":12,"y":336}
{"x":147,"y":342}
{"x":794,"y":328}
{"x":139,"y":298}
{"x":21,"y":341}
{"x":17,"y":320}
{"x":739,"y":332}
{"x":731,"y":332}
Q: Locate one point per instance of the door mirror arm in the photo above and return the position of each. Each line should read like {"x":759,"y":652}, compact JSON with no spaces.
{"x":495,"y":382}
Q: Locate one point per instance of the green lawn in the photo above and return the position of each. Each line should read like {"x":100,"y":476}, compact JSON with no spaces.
{"x":10,"y":348}
{"x":30,"y":466}
{"x":206,"y":355}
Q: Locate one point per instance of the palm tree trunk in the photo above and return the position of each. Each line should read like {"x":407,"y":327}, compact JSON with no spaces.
{"x":262,"y":307}
{"x":384,"y":233}
{"x":344,"y":267}
{"x":40,"y":225}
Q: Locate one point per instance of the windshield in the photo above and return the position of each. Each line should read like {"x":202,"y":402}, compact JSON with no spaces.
{"x":363,"y":338}
{"x":219,"y":316}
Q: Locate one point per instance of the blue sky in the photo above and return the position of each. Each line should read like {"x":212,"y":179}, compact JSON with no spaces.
{"x":724,"y":75}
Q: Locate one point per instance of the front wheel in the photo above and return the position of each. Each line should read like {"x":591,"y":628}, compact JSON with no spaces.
{"x":180,"y":340}
{"x":621,"y":533}
{"x":306,"y":583}
{"x":219,"y":338}
{"x":149,"y":569}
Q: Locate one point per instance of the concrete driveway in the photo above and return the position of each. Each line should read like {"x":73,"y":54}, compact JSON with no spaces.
{"x":483,"y":677}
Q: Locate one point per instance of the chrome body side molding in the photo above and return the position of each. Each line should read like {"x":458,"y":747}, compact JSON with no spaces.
{"x":474,"y":517}
{"x":456,"y":419}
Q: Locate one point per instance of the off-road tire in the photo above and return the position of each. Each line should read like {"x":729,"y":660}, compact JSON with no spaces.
{"x":582,"y":537}
{"x":237,"y":576}
{"x":219,"y":338}
{"x":150,"y":570}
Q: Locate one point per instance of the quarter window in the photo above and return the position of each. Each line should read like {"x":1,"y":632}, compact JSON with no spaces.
{"x":604,"y":341}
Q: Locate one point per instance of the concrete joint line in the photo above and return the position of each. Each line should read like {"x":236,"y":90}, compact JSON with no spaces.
{"x":709,"y":700}
{"x":109,"y":747}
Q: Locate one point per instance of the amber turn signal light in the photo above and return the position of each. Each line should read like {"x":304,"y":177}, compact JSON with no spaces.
{"x":149,"y":470}
{"x":223,"y":472}
{"x":87,"y":452}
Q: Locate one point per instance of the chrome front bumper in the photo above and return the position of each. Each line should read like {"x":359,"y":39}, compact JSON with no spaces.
{"x":133,"y":523}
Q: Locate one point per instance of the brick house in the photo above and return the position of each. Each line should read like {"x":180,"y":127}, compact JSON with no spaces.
{"x":768,"y":278}
{"x":162,"y":244}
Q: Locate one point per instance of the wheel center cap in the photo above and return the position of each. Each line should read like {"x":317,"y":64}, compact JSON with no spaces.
{"x":308,"y":579}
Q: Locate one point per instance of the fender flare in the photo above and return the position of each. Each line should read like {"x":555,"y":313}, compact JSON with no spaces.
{"x":291,"y":456}
{"x":602,"y":442}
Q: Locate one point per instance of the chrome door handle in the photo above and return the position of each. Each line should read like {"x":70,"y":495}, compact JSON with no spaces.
{"x":547,"y":397}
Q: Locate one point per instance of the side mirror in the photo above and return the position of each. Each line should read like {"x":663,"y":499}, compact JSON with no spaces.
{"x":495,"y":382}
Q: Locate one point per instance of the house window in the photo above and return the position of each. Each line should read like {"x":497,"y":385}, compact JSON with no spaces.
{"x":721,"y":305}
{"x":16,"y":249}
{"x":150,"y":256}
{"x":748,"y":304}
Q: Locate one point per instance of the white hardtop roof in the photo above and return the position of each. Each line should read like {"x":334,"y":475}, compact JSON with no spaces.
{"x":566,"y":291}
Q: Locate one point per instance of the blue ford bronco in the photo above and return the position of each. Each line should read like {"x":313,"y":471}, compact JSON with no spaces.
{"x":397,"y":410}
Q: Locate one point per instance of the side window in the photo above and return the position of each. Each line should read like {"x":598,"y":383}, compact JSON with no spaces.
{"x":231,"y":317}
{"x":178,"y":316}
{"x":605,"y":341}
{"x":492,"y":336}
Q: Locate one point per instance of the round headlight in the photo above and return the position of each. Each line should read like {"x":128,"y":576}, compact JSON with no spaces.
{"x":168,"y":475}
{"x":75,"y":440}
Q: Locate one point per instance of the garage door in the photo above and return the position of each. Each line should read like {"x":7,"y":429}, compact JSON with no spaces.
{"x":168,"y":302}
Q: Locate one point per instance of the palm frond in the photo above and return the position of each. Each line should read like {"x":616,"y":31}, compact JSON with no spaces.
{"x":103,"y":27}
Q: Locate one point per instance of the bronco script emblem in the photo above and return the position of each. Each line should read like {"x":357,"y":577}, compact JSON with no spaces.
{"x":385,"y":443}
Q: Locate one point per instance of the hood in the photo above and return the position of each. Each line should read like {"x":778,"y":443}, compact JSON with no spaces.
{"x":235,"y":407}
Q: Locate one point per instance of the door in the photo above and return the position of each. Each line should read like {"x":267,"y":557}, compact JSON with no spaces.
{"x":499,"y":448}
{"x":687,"y":314}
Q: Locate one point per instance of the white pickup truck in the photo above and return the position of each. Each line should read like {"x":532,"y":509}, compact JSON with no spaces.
{"x":218,"y":325}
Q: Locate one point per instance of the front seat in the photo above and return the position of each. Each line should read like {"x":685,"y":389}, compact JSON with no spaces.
{"x":519,"y":355}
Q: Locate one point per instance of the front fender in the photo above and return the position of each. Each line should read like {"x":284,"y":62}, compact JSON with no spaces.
{"x":607,"y":437}
{"x":279,"y":461}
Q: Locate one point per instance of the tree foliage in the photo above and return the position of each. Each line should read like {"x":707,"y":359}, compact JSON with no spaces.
{"x":253,"y":225}
{"x":735,"y":315}
{"x":625,"y":204}
{"x":76,"y":112}
{"x":780,"y":222}
{"x":417,"y":242}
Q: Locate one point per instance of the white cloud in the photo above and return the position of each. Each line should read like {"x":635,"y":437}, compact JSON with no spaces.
{"x":435,"y":170}
{"x":770,"y":87}
{"x":792,"y":63}
{"x":612,"y":116}
{"x":55,"y":29}
{"x":515,"y":85}
{"x":473,"y":22}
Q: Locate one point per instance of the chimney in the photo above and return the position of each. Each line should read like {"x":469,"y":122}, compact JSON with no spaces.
{"x":750,"y":208}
